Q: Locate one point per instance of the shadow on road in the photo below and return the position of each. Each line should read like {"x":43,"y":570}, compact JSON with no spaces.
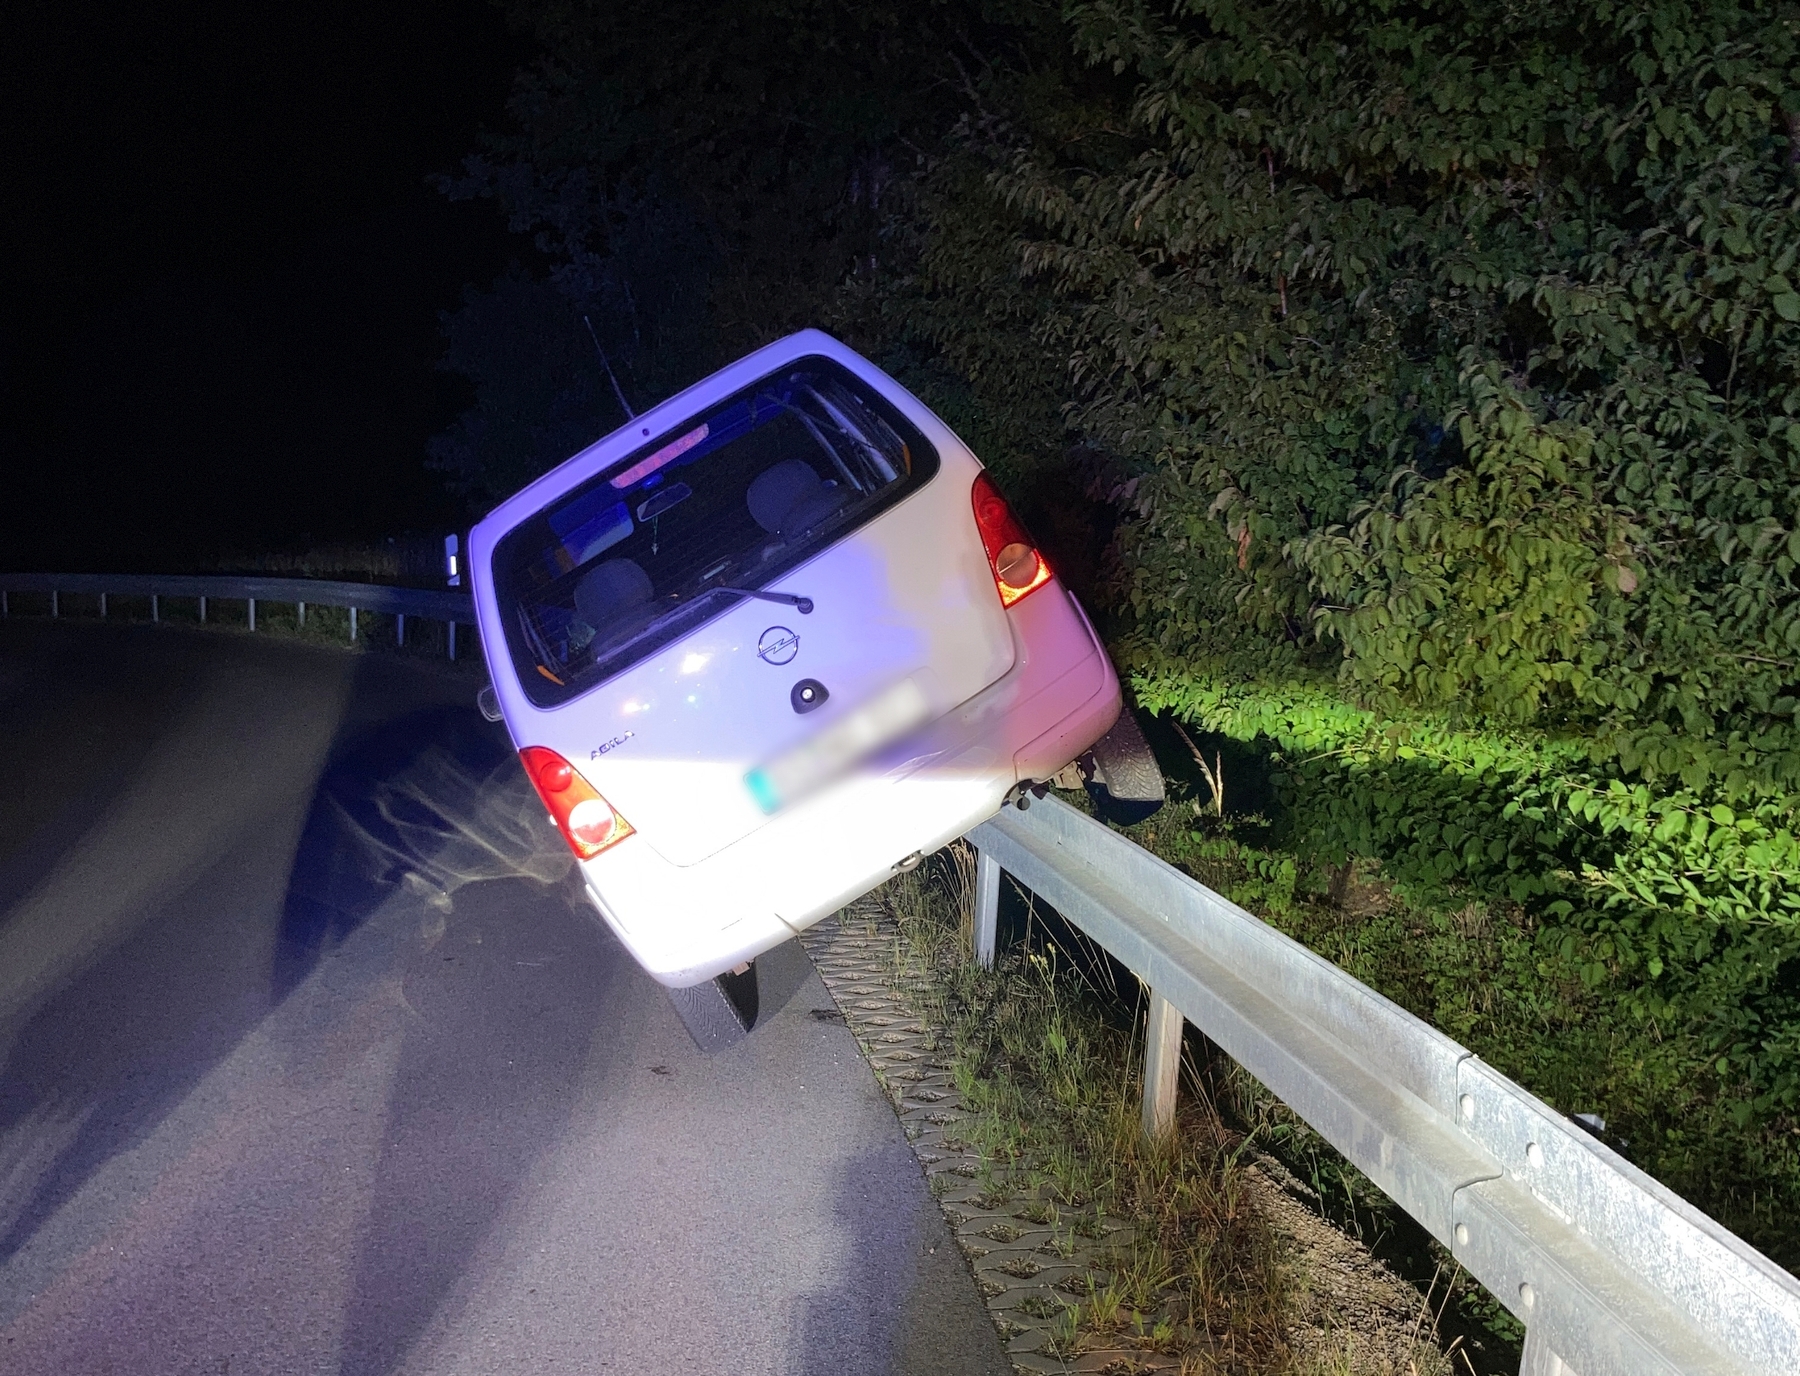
{"x":71,"y":744}
{"x":366,"y":827}
{"x":412,"y":809}
{"x":502,"y":988}
{"x":502,"y":1015}
{"x":852,"y":1326}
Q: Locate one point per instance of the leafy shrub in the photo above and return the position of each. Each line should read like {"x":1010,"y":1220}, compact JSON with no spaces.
{"x":1434,"y":369}
{"x":1442,"y":363}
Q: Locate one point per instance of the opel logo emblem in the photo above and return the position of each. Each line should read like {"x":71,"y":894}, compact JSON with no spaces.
{"x":778,"y":645}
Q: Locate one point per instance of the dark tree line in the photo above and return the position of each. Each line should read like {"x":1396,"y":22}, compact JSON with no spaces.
{"x":1414,"y":387}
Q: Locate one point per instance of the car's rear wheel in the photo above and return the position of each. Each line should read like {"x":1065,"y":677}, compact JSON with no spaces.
{"x":1125,"y":781}
{"x":719,"y":1012}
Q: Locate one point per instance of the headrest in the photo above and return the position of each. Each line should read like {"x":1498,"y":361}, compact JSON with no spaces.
{"x":778,"y":490}
{"x":608,"y":589}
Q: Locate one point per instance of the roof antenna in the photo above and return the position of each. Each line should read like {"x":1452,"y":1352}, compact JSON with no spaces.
{"x":611,"y":376}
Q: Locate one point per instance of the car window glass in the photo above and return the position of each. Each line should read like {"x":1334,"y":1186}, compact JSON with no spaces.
{"x":647,"y":551}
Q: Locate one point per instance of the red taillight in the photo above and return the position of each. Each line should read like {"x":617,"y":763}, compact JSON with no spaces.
{"x":585,"y":819}
{"x":1018,"y":567}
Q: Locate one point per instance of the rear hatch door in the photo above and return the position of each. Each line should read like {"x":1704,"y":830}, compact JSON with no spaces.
{"x":630,"y":612}
{"x":905,"y":625}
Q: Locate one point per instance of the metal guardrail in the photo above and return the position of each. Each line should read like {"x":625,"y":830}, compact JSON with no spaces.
{"x":449,"y":607}
{"x":1611,"y":1273}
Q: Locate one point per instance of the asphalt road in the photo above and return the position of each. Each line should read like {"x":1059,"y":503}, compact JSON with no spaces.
{"x":314,"y":1059}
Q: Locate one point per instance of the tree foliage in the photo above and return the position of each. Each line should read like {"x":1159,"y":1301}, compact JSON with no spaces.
{"x":1445,"y":362}
{"x":697,"y":179}
{"x":1470,"y":327}
{"x":1434,"y":370}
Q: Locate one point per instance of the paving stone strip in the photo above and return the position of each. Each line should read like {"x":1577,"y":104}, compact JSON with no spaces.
{"x":1028,"y":1269}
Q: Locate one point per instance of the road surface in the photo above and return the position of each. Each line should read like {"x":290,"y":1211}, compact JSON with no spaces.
{"x":313,"y":1059}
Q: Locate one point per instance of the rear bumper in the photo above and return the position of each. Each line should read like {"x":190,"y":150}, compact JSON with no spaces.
{"x":688,"y":923}
{"x":1093,"y":684}
{"x":685,"y":924}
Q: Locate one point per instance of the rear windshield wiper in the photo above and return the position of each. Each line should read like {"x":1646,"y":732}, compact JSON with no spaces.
{"x":614,"y":650}
{"x":787,"y":599}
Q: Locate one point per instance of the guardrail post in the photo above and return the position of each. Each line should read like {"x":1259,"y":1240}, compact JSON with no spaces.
{"x":54,"y":609}
{"x":251,"y":603}
{"x":155,"y":609}
{"x":1538,"y":1359}
{"x":353,"y":625}
{"x":399,"y":628}
{"x":103,"y":606}
{"x":987,"y":907}
{"x":452,"y":626}
{"x":5,"y":610}
{"x":300,"y":614}
{"x":1162,"y":1065}
{"x":203,"y":610}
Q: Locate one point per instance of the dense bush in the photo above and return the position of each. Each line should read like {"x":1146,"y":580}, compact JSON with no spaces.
{"x":1466,"y":331}
{"x":1435,"y":371}
{"x":1444,"y":361}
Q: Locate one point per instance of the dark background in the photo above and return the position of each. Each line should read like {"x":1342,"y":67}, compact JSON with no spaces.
{"x":222,"y":267}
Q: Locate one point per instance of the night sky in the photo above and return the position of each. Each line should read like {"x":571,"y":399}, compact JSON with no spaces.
{"x":221,"y":269}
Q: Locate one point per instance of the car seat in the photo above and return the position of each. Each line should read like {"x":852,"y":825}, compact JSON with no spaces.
{"x":791,"y":497}
{"x":608,"y":592}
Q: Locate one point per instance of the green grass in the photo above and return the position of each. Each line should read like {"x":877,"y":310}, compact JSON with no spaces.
{"x":1047,"y":1064}
{"x":1519,"y":986}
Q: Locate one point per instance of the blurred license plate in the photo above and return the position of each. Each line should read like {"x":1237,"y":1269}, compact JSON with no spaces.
{"x":838,"y":746}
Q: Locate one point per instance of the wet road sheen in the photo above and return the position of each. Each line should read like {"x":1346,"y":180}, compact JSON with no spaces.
{"x":313,"y":1059}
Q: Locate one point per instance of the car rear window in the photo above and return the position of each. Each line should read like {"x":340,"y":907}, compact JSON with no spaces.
{"x":651,"y":548}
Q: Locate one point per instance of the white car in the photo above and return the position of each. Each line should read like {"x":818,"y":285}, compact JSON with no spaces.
{"x":770,"y":643}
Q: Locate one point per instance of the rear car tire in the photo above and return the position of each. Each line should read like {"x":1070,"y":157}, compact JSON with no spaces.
{"x":1124,"y":779}
{"x":718,"y":1013}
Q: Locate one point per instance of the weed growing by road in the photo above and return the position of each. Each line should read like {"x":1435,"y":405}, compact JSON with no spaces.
{"x":1046,"y":1065}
